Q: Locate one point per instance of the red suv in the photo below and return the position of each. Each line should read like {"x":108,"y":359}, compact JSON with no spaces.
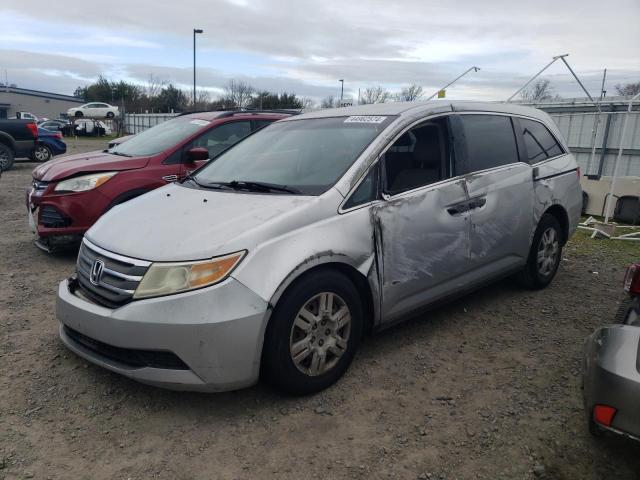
{"x":70,"y":193}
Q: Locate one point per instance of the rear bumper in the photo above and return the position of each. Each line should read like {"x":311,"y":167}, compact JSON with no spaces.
{"x":612,"y":376}
{"x":217,"y":332}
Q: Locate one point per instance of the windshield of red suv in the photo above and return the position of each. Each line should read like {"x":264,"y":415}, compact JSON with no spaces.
{"x":157,"y":139}
{"x":308,"y":155}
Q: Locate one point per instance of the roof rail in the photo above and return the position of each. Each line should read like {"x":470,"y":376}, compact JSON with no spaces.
{"x":229,"y":112}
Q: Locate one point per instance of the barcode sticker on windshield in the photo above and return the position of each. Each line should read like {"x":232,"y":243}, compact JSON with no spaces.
{"x":202,"y":123}
{"x":365,"y":119}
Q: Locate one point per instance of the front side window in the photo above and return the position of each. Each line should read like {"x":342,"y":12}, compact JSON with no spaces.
{"x":159,"y":138}
{"x":222,"y":137}
{"x":366,"y":192}
{"x":488,"y":141}
{"x":418,"y":157}
{"x":538,"y":141}
{"x":308,"y":155}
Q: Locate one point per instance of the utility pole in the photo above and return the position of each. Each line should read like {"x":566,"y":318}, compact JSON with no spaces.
{"x":341,"y":90}
{"x":195,"y":30}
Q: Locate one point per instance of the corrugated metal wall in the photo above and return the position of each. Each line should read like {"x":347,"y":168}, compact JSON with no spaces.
{"x":577,"y":128}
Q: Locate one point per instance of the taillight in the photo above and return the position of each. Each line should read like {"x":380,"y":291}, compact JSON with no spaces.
{"x":603,"y":414}
{"x":631,"y":283}
{"x":57,"y":135}
{"x":33,"y":128}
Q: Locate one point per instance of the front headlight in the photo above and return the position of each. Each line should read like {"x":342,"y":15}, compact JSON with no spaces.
{"x":169,"y":278}
{"x":86,"y":182}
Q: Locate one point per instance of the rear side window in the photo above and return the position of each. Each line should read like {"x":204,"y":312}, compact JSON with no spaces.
{"x":538,"y":141}
{"x":488,"y":141}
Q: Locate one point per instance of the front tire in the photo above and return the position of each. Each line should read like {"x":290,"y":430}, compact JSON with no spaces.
{"x":6,"y":157}
{"x":110,"y":115}
{"x":79,"y":114}
{"x":313,"y":333}
{"x":41,"y":154}
{"x":545,"y":254}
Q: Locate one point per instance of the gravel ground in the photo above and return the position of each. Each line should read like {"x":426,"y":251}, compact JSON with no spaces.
{"x":485,"y":387}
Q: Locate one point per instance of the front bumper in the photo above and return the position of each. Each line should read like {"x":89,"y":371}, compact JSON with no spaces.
{"x":216,"y":331}
{"x":612,"y":375}
{"x":74,"y":213}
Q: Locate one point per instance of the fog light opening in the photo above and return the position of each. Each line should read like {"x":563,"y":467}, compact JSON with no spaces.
{"x":603,"y":414}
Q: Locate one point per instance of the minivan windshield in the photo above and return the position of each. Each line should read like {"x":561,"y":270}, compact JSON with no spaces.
{"x":157,"y":139}
{"x":305,"y":156}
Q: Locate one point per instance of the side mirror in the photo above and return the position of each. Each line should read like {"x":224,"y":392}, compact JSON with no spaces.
{"x":197,"y":153}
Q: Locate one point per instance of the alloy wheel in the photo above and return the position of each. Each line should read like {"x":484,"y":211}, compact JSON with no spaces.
{"x":41,"y":154}
{"x":320,"y":333}
{"x":548,"y":249}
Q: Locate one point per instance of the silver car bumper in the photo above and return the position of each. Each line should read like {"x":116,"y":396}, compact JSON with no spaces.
{"x":612,"y":376}
{"x":216,"y":331}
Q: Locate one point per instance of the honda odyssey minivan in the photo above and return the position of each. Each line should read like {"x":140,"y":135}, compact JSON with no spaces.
{"x":275,"y":259}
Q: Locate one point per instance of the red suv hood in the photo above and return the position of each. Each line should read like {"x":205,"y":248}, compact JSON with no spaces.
{"x":97,"y":161}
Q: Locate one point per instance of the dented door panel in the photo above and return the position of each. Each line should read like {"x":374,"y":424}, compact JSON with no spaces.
{"x":501,"y":220}
{"x":422,"y":239}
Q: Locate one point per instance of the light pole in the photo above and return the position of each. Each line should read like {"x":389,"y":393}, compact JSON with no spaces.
{"x":341,"y":90}
{"x":195,"y":30}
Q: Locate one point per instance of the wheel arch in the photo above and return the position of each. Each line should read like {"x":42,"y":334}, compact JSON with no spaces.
{"x":7,"y":141}
{"x":359,"y":280}
{"x":560,"y":214}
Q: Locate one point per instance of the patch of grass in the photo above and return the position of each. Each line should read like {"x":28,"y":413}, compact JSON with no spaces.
{"x":618,"y":252}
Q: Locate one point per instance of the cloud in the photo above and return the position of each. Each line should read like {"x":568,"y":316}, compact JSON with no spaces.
{"x":305,"y":47}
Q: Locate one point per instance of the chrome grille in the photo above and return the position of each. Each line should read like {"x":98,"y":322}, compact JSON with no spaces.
{"x":108,"y":278}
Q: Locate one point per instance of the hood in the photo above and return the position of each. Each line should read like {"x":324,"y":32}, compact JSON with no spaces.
{"x":177,"y":223}
{"x":97,"y":161}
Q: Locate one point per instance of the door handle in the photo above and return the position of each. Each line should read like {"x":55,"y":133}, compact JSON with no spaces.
{"x":458,"y":208}
{"x":478,"y":202}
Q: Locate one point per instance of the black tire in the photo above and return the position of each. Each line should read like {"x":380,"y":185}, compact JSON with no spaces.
{"x":585,"y":203}
{"x":42,"y":153}
{"x":79,"y":114}
{"x":533,"y":275}
{"x":278,"y":366}
{"x":6,"y":157}
{"x":110,"y":115}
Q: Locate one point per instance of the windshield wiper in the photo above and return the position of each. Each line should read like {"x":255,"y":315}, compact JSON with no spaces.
{"x":261,"y":187}
{"x":121,"y":154}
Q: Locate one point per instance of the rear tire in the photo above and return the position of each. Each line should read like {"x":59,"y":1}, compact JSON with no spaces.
{"x":313,"y":334}
{"x":6,"y":157}
{"x":545,"y":254}
{"x":42,"y":153}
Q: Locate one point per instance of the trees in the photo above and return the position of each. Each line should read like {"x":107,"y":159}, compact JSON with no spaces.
{"x":409,"y":94}
{"x":628,"y":89}
{"x":328,"y":102}
{"x":237,"y":93}
{"x":170,"y":99}
{"x":540,"y":90}
{"x":270,"y":100}
{"x":375,"y":94}
{"x":158,"y":95}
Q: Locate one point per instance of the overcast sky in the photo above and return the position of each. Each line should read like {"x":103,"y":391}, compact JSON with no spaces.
{"x":306,"y":46}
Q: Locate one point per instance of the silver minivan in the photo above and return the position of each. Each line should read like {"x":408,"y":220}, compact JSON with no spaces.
{"x":275,"y":258}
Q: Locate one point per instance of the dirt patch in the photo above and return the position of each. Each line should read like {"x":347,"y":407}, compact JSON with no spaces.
{"x":486,"y":387}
